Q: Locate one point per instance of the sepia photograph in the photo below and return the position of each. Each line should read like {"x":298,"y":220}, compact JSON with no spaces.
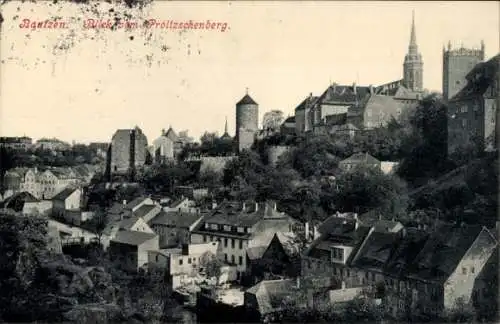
{"x":249,"y":161}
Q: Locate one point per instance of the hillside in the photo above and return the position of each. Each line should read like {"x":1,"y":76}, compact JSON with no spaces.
{"x":469,"y":190}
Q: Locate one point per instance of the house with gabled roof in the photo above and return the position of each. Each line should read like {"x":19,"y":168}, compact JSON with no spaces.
{"x":174,"y":228}
{"x":359,"y":159}
{"x":147,"y":212}
{"x":330,"y":255}
{"x":66,"y":200}
{"x":130,"y":249}
{"x":267,"y":298}
{"x":239,"y":226}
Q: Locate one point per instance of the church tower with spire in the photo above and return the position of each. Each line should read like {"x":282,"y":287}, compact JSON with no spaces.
{"x":413,"y":66}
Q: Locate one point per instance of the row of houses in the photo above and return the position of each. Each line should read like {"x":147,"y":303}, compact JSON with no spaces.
{"x":25,"y":143}
{"x":45,"y":184}
{"x":415,"y":272}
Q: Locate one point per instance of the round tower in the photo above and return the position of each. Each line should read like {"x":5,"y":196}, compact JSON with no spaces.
{"x":247,"y":121}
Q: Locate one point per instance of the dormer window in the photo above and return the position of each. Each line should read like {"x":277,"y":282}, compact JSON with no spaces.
{"x":227,"y":228}
{"x":207,"y":226}
{"x":214,"y":227}
{"x":337,"y":254}
{"x":241,"y":230}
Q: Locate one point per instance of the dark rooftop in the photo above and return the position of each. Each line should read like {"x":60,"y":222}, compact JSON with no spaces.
{"x":246,"y":100}
{"x":176,"y":219}
{"x":64,"y":194}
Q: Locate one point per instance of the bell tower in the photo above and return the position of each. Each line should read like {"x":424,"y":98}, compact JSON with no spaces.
{"x":413,"y":66}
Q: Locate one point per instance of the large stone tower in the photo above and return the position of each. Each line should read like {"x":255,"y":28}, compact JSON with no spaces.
{"x":247,"y":122}
{"x":456,"y":64}
{"x":413,"y":66}
{"x":128,"y":150}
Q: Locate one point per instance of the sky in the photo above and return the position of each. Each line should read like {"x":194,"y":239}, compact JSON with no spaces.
{"x":80,"y":84}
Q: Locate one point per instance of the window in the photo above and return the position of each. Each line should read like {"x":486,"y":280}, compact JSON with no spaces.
{"x":472,"y":270}
{"x":463,"y":109}
{"x":464,"y":123}
{"x":225,"y":242}
{"x":233,"y":259}
{"x":373,"y":276}
{"x":211,"y":238}
{"x":225,"y":256}
{"x":348,"y":272}
{"x":240,"y":260}
{"x":464,"y":271}
{"x":189,"y":260}
{"x":232,"y":243}
{"x":157,"y":258}
{"x":338,"y":254}
{"x":335,"y":271}
{"x":241,"y":245}
{"x":180,"y":261}
{"x":204,"y":238}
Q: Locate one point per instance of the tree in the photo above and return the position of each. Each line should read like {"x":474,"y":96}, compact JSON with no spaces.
{"x":212,"y":265}
{"x":425,"y":148}
{"x":22,"y":243}
{"x":364,"y":189}
{"x":272,"y":120}
{"x":98,"y":224}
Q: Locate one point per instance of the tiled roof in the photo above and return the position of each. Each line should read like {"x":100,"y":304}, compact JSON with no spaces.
{"x":144,"y":210}
{"x":307,"y":102}
{"x":343,"y":94}
{"x":132,"y":237}
{"x":256,"y":252}
{"x":128,"y":223}
{"x":246,"y":100}
{"x":234,"y":215}
{"x":177,"y":202}
{"x":64,"y":194}
{"x":17,"y":201}
{"x":270,"y":293}
{"x":376,"y":250}
{"x":442,"y":252}
{"x":361,"y":158}
{"x":345,"y":234}
{"x":176,"y":219}
{"x":135,"y":202}
{"x":406,"y":250}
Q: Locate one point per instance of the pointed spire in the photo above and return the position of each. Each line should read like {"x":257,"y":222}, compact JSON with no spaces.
{"x":413,"y":35}
{"x":225,"y":127}
{"x":246,"y":90}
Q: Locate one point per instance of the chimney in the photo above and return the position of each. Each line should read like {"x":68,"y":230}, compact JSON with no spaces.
{"x":306,"y":230}
{"x":244,"y":206}
{"x":256,"y":206}
{"x":298,"y":282}
{"x":343,"y":284}
{"x":371,"y":89}
{"x":124,"y":202}
{"x":354,"y":87}
{"x":274,"y":206}
{"x":356,"y":224}
{"x":403,"y":232}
